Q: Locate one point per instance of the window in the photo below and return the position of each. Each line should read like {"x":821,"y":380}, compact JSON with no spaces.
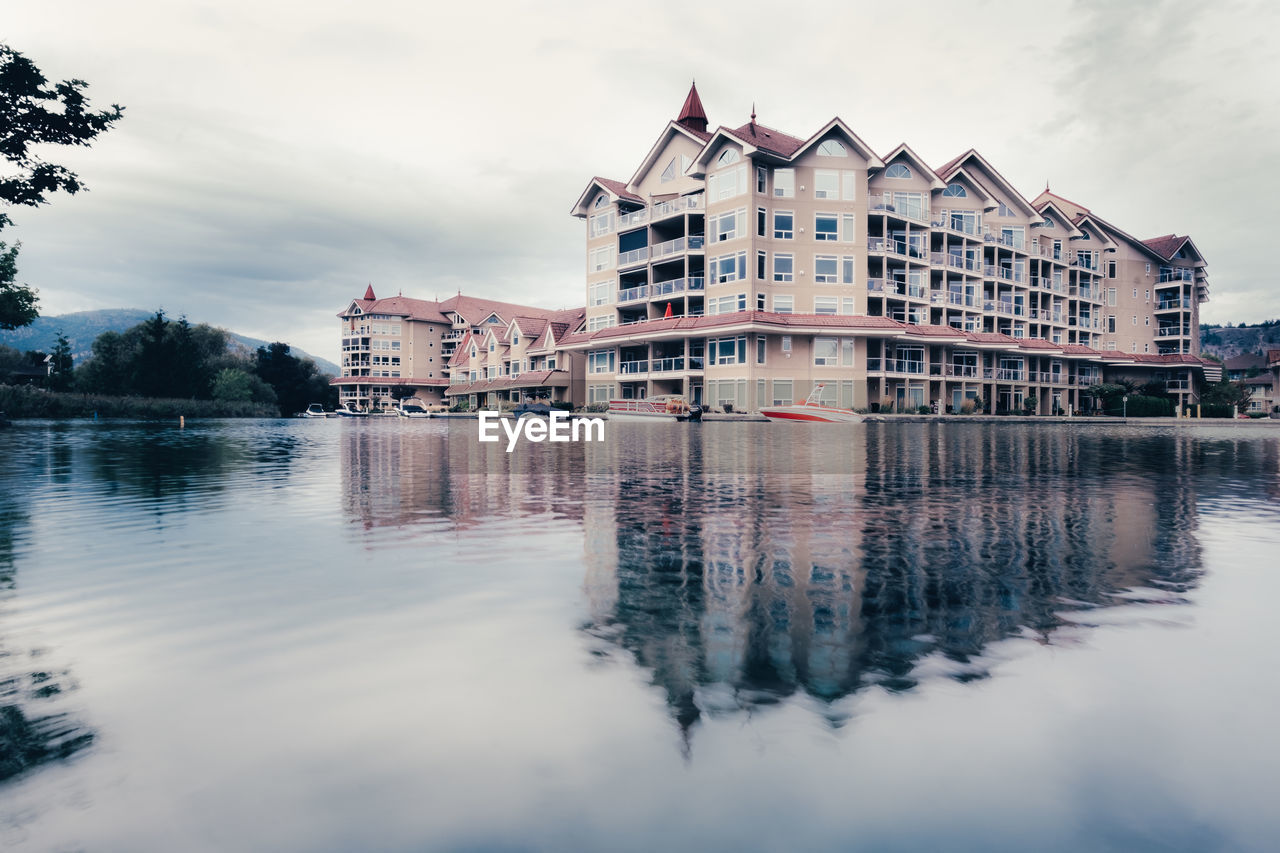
{"x":1012,"y":237}
{"x":728,"y":157}
{"x":909,"y":204}
{"x":784,"y":267}
{"x":826,"y":184}
{"x":729,"y":226}
{"x":784,"y":225}
{"x":897,"y":170}
{"x":786,"y":343}
{"x":1111,"y":323}
{"x":601,"y":258}
{"x":761,"y":178}
{"x":1148,"y":271}
{"x":846,"y":305}
{"x":727,"y":184}
{"x":761,"y":261}
{"x":826,"y":352}
{"x":850,"y":181}
{"x":782,"y":392}
{"x":1111,"y":269}
{"x":1006,"y":210}
{"x":728,"y":350}
{"x":826,"y":227}
{"x":761,"y":227}
{"x":846,"y":356}
{"x":846,"y":272}
{"x":760,"y":348}
{"x":600,"y":361}
{"x":825,"y":269}
{"x":1111,"y":296}
{"x":784,"y":183}
{"x":669,"y":173}
{"x":599,"y":393}
{"x":832,"y":148}
{"x":602,"y":199}
{"x":595,"y":324}
{"x":728,"y":268}
{"x":826,"y":305}
{"x":955,"y":191}
{"x":602,"y":223}
{"x":784,"y":305}
{"x":846,"y":228}
{"x":727,"y":304}
{"x":600,"y":294}
{"x":1135,"y":293}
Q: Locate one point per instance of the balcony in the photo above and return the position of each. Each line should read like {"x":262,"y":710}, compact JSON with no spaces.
{"x":638,"y":217}
{"x":1008,"y":374}
{"x":1177,"y":385}
{"x":692,"y":243}
{"x":958,"y":262}
{"x":663,"y":209}
{"x":908,"y":210}
{"x":675,"y":285}
{"x":635,"y":256}
{"x":1173,"y":332}
{"x":1173,"y":304}
{"x":963,"y":300}
{"x":891,"y":246}
{"x":908,"y":367}
{"x":660,"y":365}
{"x":901,"y":288}
{"x":959,"y":224}
{"x":633,"y":367}
{"x":1169,"y":275}
{"x":633,"y":294}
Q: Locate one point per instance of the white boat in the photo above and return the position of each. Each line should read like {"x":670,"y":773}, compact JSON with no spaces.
{"x":811,"y":410}
{"x":347,"y":412}
{"x":412,"y":409}
{"x":666,"y":407}
{"x":315,"y":410}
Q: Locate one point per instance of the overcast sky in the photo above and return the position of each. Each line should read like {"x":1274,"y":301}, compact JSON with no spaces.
{"x":276,"y":157}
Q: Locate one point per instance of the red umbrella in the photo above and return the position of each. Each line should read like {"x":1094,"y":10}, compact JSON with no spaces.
{"x":668,"y":314}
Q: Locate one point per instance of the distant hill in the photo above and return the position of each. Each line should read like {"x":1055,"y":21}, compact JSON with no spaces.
{"x":1228,"y":341}
{"x":82,"y":327}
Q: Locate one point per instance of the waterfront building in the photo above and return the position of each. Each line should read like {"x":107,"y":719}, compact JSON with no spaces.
{"x":402,"y":347}
{"x":1253,"y":370}
{"x":743,"y":266}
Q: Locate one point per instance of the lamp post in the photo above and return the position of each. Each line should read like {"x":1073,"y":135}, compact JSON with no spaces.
{"x":1125,"y":410}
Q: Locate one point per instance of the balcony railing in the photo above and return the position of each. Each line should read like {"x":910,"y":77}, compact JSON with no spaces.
{"x":692,"y":243}
{"x":675,"y":285}
{"x":909,"y":210}
{"x":1173,"y":304}
{"x":632,"y":367}
{"x":635,"y":256}
{"x":679,"y":205}
{"x":1173,"y":332}
{"x":638,"y":217}
{"x":1177,"y":385}
{"x":1172,"y":274}
{"x":895,"y":365}
{"x":633,"y":294}
{"x":892,"y":246}
{"x":955,"y":261}
{"x":964,"y":300}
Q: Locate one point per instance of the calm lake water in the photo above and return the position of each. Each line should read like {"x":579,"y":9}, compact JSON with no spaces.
{"x":333,"y":636}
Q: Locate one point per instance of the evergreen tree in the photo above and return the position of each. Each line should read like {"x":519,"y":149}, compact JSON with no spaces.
{"x":63,"y":364}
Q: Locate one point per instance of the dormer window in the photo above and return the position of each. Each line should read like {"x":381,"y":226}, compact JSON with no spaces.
{"x":955,"y":191}
{"x":832,"y":148}
{"x":897,"y":170}
{"x":729,"y":155}
{"x":669,"y":173}
{"x":601,"y":200}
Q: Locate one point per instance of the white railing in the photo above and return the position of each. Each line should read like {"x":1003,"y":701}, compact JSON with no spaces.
{"x":679,"y":205}
{"x":635,"y":256}
{"x":638,"y":217}
{"x":909,"y":210}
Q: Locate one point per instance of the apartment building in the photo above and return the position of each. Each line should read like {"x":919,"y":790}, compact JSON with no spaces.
{"x":745,"y":266}
{"x":403,"y":347}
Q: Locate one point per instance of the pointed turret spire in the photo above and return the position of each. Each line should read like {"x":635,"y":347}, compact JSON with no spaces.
{"x":368,"y":293}
{"x":692,"y":115}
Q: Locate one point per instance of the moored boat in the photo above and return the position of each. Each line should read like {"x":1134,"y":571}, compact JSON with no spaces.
{"x":812,"y":410}
{"x":315,"y":410}
{"x":412,"y":409}
{"x":349,"y":412}
{"x":669,"y":407}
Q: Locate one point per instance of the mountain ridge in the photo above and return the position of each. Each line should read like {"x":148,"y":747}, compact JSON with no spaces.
{"x":82,"y":327}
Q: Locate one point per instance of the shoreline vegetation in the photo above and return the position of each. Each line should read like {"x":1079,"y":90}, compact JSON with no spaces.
{"x":25,"y":401}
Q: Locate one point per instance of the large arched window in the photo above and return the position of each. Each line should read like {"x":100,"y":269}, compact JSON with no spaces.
{"x":897,"y":170}
{"x":729,"y":155}
{"x":601,"y":199}
{"x":832,"y":148}
{"x":955,"y":191}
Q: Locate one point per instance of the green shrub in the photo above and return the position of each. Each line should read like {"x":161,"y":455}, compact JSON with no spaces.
{"x":1216,"y":410}
{"x":24,"y":401}
{"x":597,"y":407}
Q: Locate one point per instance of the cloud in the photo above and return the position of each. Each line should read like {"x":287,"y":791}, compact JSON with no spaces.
{"x":275,"y":158}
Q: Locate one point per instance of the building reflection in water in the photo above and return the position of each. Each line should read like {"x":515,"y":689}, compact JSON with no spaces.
{"x":740,"y":574}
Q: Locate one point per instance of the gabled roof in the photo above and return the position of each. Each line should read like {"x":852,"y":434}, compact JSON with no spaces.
{"x":863,"y":149}
{"x":767,"y":139}
{"x":1167,"y":246}
{"x":972,"y":156}
{"x":988,"y":200}
{"x":1097,"y":225}
{"x":1060,"y":215}
{"x":904,"y":151}
{"x":672,"y":127}
{"x":615,"y":189}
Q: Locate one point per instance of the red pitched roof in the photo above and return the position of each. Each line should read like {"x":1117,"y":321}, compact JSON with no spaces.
{"x":618,"y":188}
{"x":1273,"y":357}
{"x":767,"y":139}
{"x":1166,"y":246}
{"x":692,"y":115}
{"x":368,"y":292}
